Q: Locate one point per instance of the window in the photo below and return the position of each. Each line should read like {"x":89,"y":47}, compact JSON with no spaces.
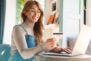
{"x":10,"y":20}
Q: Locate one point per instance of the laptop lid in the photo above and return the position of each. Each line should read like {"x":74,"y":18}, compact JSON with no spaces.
{"x":83,"y":40}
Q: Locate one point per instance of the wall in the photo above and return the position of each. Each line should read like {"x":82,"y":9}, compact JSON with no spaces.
{"x":72,"y":19}
{"x":48,"y":5}
{"x":88,"y":12}
{"x":51,"y":28}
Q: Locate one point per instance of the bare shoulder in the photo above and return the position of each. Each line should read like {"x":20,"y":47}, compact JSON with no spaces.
{"x":18,"y":30}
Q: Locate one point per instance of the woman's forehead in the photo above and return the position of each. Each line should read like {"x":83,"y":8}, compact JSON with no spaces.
{"x":34,"y":6}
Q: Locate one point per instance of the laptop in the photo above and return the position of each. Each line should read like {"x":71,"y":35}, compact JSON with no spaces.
{"x":81,"y":43}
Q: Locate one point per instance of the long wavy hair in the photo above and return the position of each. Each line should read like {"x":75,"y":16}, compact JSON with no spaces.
{"x":38,"y":27}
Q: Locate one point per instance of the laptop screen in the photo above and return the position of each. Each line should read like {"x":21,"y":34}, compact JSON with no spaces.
{"x":83,"y":40}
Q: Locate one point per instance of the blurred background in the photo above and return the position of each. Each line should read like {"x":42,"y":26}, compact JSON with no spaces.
{"x":66,"y":16}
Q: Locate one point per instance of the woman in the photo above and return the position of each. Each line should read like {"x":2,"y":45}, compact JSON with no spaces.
{"x":27,"y":37}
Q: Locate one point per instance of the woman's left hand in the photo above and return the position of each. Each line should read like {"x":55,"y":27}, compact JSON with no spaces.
{"x":50,"y":44}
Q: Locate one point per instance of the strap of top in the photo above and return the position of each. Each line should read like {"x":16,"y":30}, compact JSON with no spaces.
{"x":23,"y":29}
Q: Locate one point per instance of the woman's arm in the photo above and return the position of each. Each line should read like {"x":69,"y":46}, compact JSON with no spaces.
{"x":21,"y":45}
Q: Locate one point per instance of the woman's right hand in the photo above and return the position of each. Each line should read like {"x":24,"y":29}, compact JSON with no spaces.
{"x":59,"y":50}
{"x":50,"y":44}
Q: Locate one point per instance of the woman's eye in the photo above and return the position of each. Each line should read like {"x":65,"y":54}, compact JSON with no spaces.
{"x":33,"y":11}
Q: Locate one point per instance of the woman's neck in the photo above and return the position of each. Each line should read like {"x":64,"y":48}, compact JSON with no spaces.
{"x":28,"y":24}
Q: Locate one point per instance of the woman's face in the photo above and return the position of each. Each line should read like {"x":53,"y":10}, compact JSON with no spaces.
{"x":33,"y":14}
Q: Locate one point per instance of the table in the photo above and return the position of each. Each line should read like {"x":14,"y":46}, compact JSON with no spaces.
{"x":41,"y":57}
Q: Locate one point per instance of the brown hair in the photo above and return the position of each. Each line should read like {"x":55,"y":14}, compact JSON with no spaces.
{"x":38,"y":27}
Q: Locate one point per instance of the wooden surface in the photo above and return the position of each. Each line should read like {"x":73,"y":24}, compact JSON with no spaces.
{"x":62,"y":58}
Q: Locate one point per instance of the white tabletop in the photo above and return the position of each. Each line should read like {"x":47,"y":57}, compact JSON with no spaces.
{"x":41,"y":57}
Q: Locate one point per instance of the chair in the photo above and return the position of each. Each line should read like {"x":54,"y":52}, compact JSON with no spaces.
{"x":4,"y":52}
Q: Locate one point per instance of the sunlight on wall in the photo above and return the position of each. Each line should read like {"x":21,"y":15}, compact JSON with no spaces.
{"x":10,"y":20}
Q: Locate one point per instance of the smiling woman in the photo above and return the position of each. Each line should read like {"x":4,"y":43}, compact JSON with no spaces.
{"x":26,"y":39}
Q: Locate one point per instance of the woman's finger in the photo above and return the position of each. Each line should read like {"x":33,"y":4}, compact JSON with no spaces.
{"x":67,"y":50}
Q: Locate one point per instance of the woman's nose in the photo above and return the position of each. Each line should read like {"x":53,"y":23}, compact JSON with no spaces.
{"x":36,"y":13}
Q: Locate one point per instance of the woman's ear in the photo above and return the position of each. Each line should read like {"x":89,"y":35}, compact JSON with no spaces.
{"x":25,"y":13}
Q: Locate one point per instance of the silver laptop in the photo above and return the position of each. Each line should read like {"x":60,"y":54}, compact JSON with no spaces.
{"x":81,"y":43}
